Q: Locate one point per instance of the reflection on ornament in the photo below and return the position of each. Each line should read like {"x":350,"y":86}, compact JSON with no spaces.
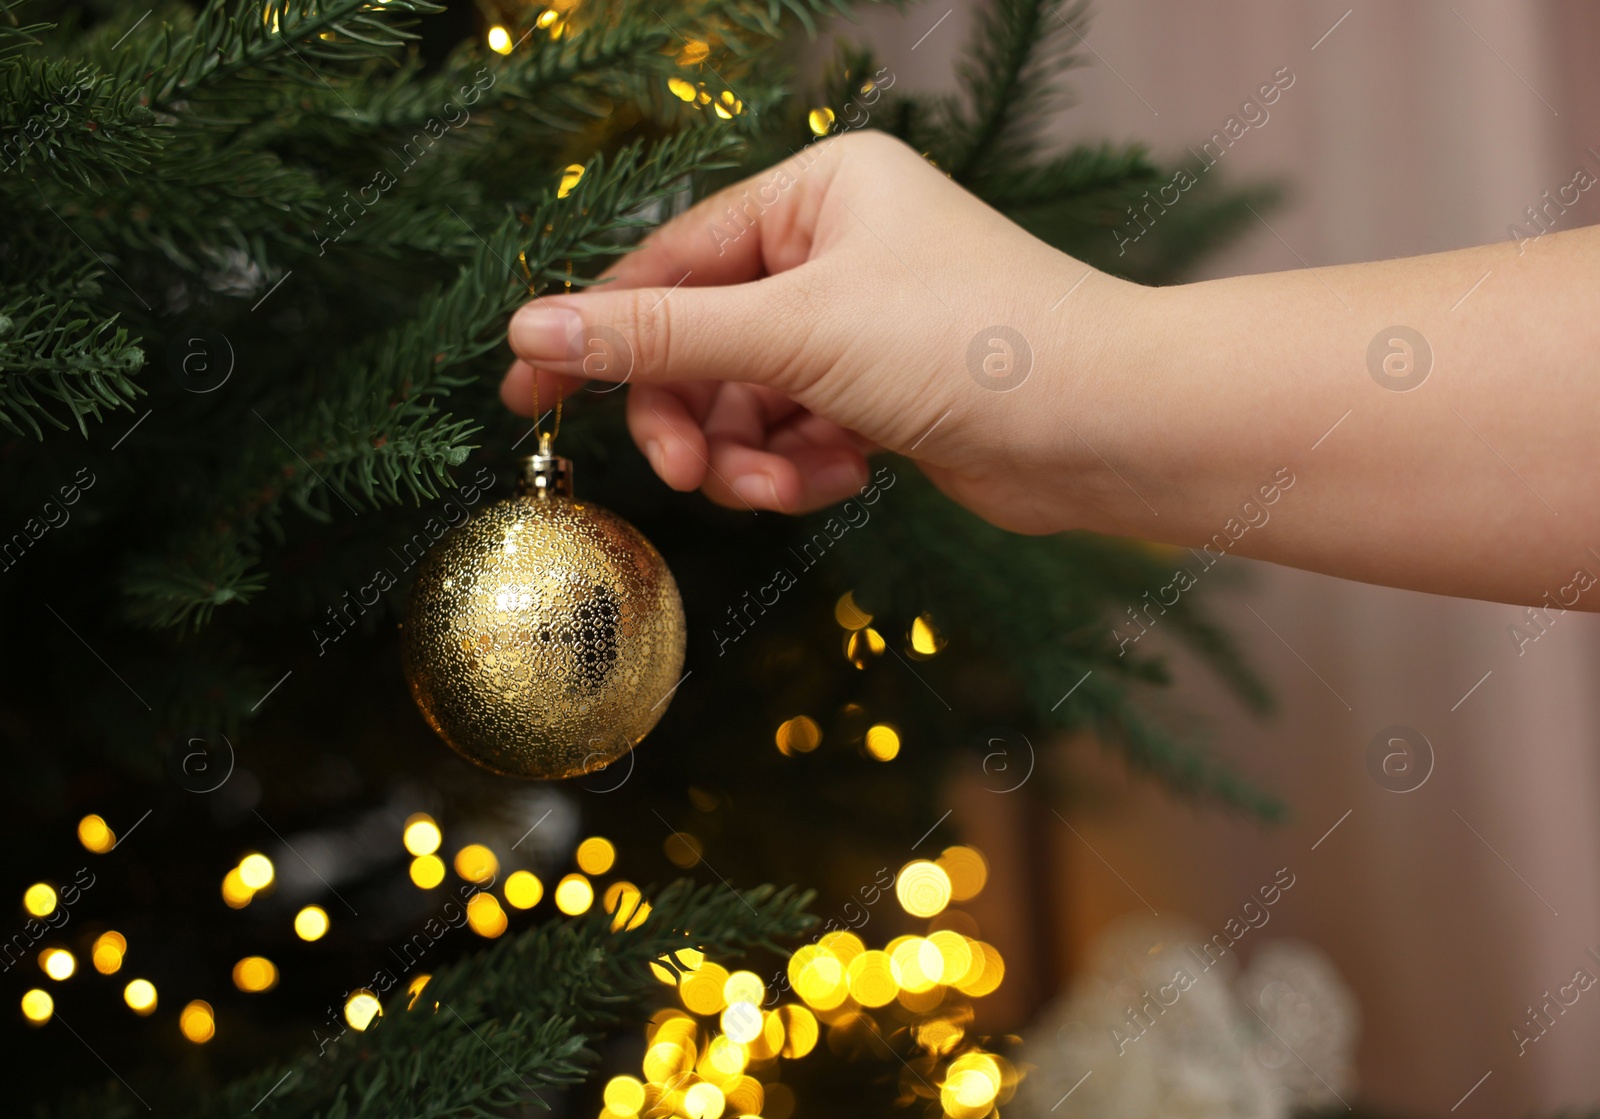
{"x":545,"y":636}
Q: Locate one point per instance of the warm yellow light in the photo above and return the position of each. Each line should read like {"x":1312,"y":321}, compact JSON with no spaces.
{"x":925,"y":639}
{"x":58,"y":963}
{"x":918,"y":965}
{"x":595,"y":855}
{"x":821,"y":120}
{"x":703,"y":1101}
{"x":235,"y":891}
{"x":682,"y":849}
{"x":570,"y":178}
{"x":485,"y":915}
{"x":726,"y":1056}
{"x":255,"y":974}
{"x":883,"y":742}
{"x":860,"y":647}
{"x":742,"y":1022}
{"x":970,"y":1086}
{"x":871,"y":979}
{"x":623,"y":1095}
{"x":954,"y":953}
{"x":547,"y":17}
{"x":799,"y":735}
{"x":968,"y":872}
{"x":523,"y":889}
{"x":362,"y":1009}
{"x":311,"y":923}
{"x":625,"y":900}
{"x":574,"y":895}
{"x":923,"y":888}
{"x":499,"y":40}
{"x":198,"y":1022}
{"x":427,"y":871}
{"x":693,"y":53}
{"x":842,"y":944}
{"x":799,"y":1030}
{"x":982,"y":979}
{"x":421,"y":834}
{"x":39,"y":900}
{"x":140,"y":995}
{"x":38,"y":1006}
{"x":96,"y":835}
{"x":939,"y":1035}
{"x":256,"y":871}
{"x":415,"y":987}
{"x":476,"y":863}
{"x":701,"y":989}
{"x":765,"y":1046}
{"x":744,"y":986}
{"x":847,"y":613}
{"x":682,"y":90}
{"x":817,"y":976}
{"x":107,"y":953}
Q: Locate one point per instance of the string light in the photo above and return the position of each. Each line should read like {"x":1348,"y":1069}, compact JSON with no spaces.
{"x":39,"y":899}
{"x":140,"y":995}
{"x":427,"y":871}
{"x":848,"y":614}
{"x":871,"y":979}
{"x":955,"y":955}
{"x":255,"y":974}
{"x":701,"y":989}
{"x":595,"y":855}
{"x":626,"y":901}
{"x":499,"y":40}
{"x":623,"y":1095}
{"x":58,"y":963}
{"x":574,"y":895}
{"x":799,"y":735}
{"x":256,"y":872}
{"x":95,"y":834}
{"x":235,"y":891}
{"x":311,"y":923}
{"x":967,"y":870}
{"x":362,"y":1009}
{"x":703,"y":1101}
{"x":485,"y":916}
{"x":523,"y":890}
{"x":682,"y":90}
{"x":922,"y":887}
{"x":682,"y":849}
{"x":820,"y":121}
{"x":38,"y":1006}
{"x":109,"y":948}
{"x":198,"y":1022}
{"x":415,"y":989}
{"x":924,"y":639}
{"x":693,"y":53}
{"x":421,"y":834}
{"x":863,"y":645}
{"x":800,"y":1030}
{"x":970,"y":1086}
{"x":883,"y":742}
{"x":476,"y":863}
{"x":570,"y":178}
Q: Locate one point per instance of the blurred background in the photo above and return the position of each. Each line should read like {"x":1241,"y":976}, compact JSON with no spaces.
{"x":1453,"y":907}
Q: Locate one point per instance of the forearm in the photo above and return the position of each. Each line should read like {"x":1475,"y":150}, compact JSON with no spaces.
{"x":1480,"y":480}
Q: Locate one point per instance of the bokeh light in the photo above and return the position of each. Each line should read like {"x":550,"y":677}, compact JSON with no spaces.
{"x":362,"y":1009}
{"x":986,"y":973}
{"x":970,"y":1086}
{"x":109,"y":948}
{"x":742,"y":1022}
{"x":198,"y":1022}
{"x":800,"y":1030}
{"x":682,"y":849}
{"x":744,"y":986}
{"x":39,"y":899}
{"x":701,"y":989}
{"x":58,"y":963}
{"x":95,"y":834}
{"x":38,"y":1006}
{"x":255,"y":974}
{"x":955,"y":955}
{"x":626,"y":901}
{"x":311,"y":923}
{"x":256,"y":871}
{"x":574,"y":895}
{"x":415,"y":988}
{"x":848,"y":614}
{"x":918,"y":965}
{"x":571,"y":176}
{"x":485,"y":916}
{"x":421,"y":834}
{"x":923,"y":888}
{"x":862,"y":646}
{"x":499,"y":40}
{"x":967,"y":870}
{"x":925,"y":640}
{"x":624,"y":1095}
{"x":476,"y":863}
{"x":817,"y":976}
{"x":703,"y":1101}
{"x":871,"y":979}
{"x":523,"y":889}
{"x":595,"y":855}
{"x":726,"y":1057}
{"x":819,"y":121}
{"x":799,"y":735}
{"x":427,"y":871}
{"x":883,"y":742}
{"x":235,"y":891}
{"x":140,"y":995}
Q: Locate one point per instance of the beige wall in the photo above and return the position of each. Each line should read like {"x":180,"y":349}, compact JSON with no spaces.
{"x":1410,"y":129}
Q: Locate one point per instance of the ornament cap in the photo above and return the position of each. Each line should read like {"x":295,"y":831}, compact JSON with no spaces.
{"x":545,"y":475}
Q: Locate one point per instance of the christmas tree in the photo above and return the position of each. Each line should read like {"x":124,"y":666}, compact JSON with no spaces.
{"x":259,"y":260}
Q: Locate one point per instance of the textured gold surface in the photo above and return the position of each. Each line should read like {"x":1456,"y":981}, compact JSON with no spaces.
{"x":544,"y":637}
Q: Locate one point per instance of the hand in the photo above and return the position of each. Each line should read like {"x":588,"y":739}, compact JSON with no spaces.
{"x":849,"y":299}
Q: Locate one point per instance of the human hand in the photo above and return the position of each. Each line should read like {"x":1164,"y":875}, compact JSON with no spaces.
{"x":852,"y":298}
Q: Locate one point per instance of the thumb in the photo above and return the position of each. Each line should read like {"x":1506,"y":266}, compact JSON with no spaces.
{"x":660,"y":335}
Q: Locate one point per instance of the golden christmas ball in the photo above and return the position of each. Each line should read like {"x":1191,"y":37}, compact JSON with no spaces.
{"x":545,"y":636}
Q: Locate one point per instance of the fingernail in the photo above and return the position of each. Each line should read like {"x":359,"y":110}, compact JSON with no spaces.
{"x":758,"y":490}
{"x":657,"y":456}
{"x":544,"y":334}
{"x":839,"y":478}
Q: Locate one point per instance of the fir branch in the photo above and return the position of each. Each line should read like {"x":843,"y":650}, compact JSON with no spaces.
{"x":58,"y":352}
{"x":71,"y":121}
